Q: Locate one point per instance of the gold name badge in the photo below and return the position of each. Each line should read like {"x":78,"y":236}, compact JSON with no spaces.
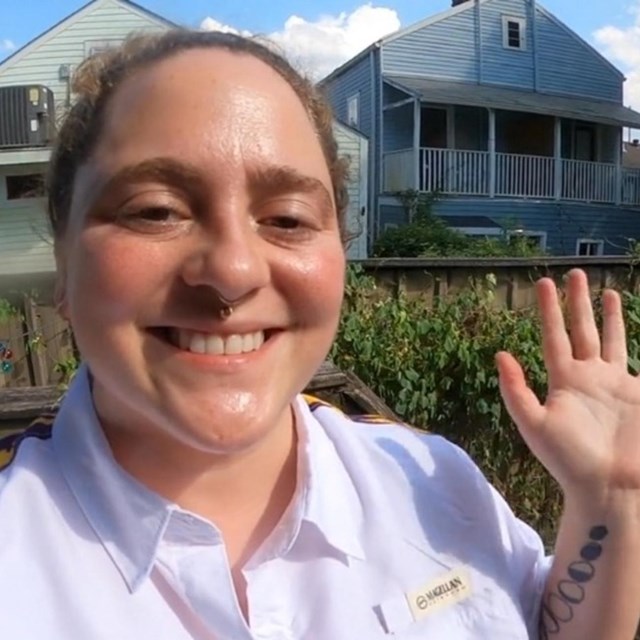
{"x":444,"y":591}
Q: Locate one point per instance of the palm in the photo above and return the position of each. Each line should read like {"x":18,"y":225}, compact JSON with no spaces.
{"x":587,"y":432}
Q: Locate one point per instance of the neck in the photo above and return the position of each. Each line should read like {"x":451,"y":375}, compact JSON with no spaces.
{"x":244,"y":493}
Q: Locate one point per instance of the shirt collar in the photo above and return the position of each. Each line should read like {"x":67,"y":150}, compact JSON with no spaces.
{"x":329,"y":501}
{"x":131,"y":520}
{"x":128,"y":518}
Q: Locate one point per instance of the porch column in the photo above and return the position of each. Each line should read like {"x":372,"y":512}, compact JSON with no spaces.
{"x":417,"y":168}
{"x":557,"y":158}
{"x":492,"y":153}
{"x":619,"y":193}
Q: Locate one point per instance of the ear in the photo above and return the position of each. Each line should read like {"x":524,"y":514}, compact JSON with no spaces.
{"x":60,"y":286}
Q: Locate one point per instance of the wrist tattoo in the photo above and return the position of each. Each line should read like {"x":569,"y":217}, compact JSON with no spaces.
{"x":558,"y":606}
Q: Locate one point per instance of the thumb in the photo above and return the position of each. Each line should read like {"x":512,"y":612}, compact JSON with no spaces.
{"x":521,"y":403}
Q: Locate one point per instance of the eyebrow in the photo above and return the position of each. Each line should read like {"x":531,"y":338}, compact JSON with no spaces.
{"x":263,"y":181}
{"x":275,"y":180}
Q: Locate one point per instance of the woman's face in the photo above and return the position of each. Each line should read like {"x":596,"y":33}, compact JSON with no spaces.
{"x":208,"y":177}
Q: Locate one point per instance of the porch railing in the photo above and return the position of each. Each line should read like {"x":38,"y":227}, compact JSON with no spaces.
{"x":478,"y":173}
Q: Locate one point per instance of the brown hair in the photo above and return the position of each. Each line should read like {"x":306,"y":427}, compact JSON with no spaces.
{"x":99,"y":76}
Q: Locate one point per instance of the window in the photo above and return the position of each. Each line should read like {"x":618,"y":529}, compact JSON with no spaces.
{"x":95,"y":46}
{"x":353,"y":110}
{"x":589,"y":247}
{"x":30,"y":185}
{"x":513,"y":32}
{"x":535,"y":239}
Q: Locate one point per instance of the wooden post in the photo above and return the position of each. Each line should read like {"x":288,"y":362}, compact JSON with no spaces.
{"x":417,"y":169}
{"x":619,"y":166}
{"x":36,"y":350}
{"x":492,"y":153}
{"x":557,"y":158}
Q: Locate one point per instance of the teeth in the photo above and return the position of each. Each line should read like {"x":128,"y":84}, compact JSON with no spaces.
{"x":217,"y":345}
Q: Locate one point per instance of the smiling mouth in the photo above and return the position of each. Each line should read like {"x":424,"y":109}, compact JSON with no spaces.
{"x":212,"y":344}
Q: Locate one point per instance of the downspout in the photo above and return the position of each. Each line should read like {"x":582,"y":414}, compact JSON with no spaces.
{"x":374,"y":214}
{"x":479,"y":41}
{"x":534,"y":45}
{"x":380,"y":119}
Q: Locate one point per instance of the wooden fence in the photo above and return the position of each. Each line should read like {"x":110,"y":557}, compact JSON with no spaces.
{"x":38,"y":343}
{"x":41,"y":342}
{"x":515,"y":277}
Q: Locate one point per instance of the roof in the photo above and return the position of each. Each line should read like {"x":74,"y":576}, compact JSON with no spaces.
{"x":71,"y":19}
{"x":484,"y":95}
{"x":476,"y":222}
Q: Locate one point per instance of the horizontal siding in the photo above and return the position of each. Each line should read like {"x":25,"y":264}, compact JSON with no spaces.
{"x":112,"y":21}
{"x":25,"y":242}
{"x":354,"y":80}
{"x":398,"y":128}
{"x":564,"y":223}
{"x":566,"y":66}
{"x":445,"y":49}
{"x":502,"y":66}
{"x":391,"y":94}
{"x":350,"y":146}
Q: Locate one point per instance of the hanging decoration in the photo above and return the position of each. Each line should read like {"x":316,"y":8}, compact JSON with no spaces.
{"x":6,"y":358}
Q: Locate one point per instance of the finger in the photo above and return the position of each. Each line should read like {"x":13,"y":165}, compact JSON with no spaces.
{"x":585,"y":339}
{"x":521,"y":403}
{"x":556,"y":346}
{"x":614,"y":341}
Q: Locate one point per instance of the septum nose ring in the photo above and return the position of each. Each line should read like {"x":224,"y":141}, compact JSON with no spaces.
{"x":227,"y":307}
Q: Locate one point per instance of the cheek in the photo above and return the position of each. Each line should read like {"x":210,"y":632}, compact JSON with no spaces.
{"x":108,"y":278}
{"x":313,"y":285}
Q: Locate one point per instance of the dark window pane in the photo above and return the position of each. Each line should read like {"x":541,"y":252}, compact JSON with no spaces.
{"x":513,"y":34}
{"x":26,"y":186}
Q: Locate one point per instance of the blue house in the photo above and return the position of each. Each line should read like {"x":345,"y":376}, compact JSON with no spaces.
{"x":504,"y":113}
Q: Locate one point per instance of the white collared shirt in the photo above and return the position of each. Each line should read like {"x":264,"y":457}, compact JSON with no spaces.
{"x":391,"y":534}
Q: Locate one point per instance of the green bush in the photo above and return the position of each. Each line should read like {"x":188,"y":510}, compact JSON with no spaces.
{"x":427,"y":235}
{"x":435,"y":367}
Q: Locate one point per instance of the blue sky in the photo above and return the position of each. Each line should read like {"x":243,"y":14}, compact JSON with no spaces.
{"x":18,"y":26}
{"x":327,"y":32}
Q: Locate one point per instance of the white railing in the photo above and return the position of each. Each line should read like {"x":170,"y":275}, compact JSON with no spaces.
{"x":458,"y":172}
{"x":588,"y":181}
{"x":398,"y":172}
{"x":524,"y":176}
{"x":631,"y":186}
{"x":452,"y":171}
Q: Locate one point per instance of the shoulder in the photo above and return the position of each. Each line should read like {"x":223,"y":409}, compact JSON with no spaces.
{"x":12,"y":443}
{"x":395,"y":447}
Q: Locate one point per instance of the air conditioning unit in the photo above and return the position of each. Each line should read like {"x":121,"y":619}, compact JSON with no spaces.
{"x":27,"y":116}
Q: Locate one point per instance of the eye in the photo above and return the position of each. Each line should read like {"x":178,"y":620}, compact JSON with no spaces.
{"x":285,"y":222}
{"x":153,"y":219}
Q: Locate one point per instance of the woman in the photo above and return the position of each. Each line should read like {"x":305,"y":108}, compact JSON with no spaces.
{"x":187,"y":490}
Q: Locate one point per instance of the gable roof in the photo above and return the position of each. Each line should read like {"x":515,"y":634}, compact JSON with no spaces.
{"x":75,"y":17}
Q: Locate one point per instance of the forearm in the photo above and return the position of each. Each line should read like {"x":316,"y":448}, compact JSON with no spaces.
{"x":593,"y":590}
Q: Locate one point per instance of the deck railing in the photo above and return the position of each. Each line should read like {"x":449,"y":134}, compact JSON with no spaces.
{"x":479,"y":173}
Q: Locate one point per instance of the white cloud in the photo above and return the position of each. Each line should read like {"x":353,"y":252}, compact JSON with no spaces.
{"x":6,"y":45}
{"x":319,"y":46}
{"x":621,"y":45}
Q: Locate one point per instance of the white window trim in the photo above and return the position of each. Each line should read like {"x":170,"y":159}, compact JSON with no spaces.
{"x":479,"y":231}
{"x":522,"y":22}
{"x":351,"y":100}
{"x":530,"y":234}
{"x":596,"y":241}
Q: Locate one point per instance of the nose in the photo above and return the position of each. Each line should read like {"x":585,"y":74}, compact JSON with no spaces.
{"x":232,"y":261}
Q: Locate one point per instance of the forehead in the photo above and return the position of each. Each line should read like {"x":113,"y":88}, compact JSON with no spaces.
{"x":209,"y":105}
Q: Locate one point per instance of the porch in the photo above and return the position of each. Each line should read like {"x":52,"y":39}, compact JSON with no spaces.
{"x":479,"y":140}
{"x":483,"y":173}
